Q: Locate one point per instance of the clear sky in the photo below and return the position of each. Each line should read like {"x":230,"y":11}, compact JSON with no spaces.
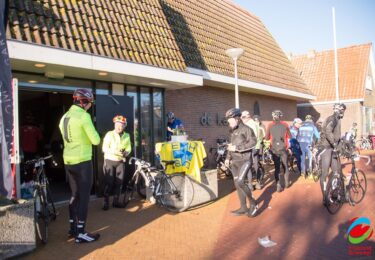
{"x":302,"y":25}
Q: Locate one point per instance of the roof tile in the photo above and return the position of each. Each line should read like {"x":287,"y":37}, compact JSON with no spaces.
{"x":318,"y":71}
{"x":169,"y":33}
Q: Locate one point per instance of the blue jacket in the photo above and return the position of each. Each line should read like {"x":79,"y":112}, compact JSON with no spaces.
{"x":175,"y":124}
{"x":307,"y":132}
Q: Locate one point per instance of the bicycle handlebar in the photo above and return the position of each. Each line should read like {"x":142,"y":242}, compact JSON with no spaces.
{"x":33,"y":161}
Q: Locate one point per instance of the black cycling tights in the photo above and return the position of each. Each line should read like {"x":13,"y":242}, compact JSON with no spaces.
{"x":327,"y":160}
{"x":281,"y":157}
{"x":239,"y":171}
{"x":113,"y":176}
{"x":80,"y":180}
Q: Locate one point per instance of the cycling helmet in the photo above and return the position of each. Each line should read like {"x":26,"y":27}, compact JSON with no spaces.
{"x":297,"y":121}
{"x":83,"y":96}
{"x":232,"y":113}
{"x":120,"y":119}
{"x":339,"y":109}
{"x":277,"y":114}
{"x":308,"y":118}
{"x":245,"y":114}
{"x":170,"y":115}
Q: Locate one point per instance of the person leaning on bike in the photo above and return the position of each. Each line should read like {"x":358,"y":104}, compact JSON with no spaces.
{"x":242,"y":140}
{"x":278,"y":133}
{"x":79,"y":135}
{"x":116,"y":146}
{"x":329,"y":141}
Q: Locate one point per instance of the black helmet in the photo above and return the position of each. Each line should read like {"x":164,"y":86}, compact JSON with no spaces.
{"x":83,"y":95}
{"x":277,"y":114}
{"x":339,"y":107}
{"x":232,"y":113}
{"x":170,"y":115}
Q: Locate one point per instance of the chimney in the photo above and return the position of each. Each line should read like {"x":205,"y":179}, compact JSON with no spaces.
{"x":311,"y":54}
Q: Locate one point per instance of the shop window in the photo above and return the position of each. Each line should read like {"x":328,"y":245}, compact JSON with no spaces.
{"x":131,"y":91}
{"x":146,"y":126}
{"x":158,"y":113}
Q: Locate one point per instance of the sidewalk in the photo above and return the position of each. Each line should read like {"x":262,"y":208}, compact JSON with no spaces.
{"x":295,"y":219}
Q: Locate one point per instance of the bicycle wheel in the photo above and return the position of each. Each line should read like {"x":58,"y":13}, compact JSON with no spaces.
{"x":141,"y":187}
{"x":335,"y":193}
{"x":357,"y":186}
{"x":177,"y":192}
{"x":292,"y":163}
{"x":41,"y":215}
{"x":315,"y":171}
{"x":128,"y":194}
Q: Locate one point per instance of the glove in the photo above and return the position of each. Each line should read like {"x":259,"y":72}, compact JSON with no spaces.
{"x":226,"y":163}
{"x":125,"y":154}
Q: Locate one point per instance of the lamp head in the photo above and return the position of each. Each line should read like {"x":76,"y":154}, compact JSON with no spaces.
{"x":234,"y":53}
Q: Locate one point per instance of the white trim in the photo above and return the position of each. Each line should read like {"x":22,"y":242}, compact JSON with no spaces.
{"x":330,"y":102}
{"x":250,"y":84}
{"x":45,"y":54}
{"x":371,"y":69}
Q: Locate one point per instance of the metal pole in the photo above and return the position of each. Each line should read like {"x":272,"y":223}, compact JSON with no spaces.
{"x":236,"y":85}
{"x":335,"y":50}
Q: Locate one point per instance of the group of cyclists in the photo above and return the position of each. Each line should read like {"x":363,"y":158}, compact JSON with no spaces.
{"x":248,"y":135}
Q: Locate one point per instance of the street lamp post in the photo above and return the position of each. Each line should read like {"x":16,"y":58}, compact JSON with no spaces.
{"x":235,"y":54}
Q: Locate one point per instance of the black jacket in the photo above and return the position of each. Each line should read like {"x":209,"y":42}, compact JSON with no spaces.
{"x":243,"y":138}
{"x":331,"y":132}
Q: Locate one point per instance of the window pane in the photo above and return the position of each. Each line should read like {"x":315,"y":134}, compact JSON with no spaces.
{"x":132,"y":92}
{"x":158,"y":116}
{"x":146,"y":113}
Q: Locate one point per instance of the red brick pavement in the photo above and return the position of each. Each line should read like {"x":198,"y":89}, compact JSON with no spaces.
{"x":295,"y":219}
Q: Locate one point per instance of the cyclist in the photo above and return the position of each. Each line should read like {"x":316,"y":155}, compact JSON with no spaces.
{"x":242,"y":140}
{"x":79,"y":135}
{"x":329,"y":141}
{"x":293,"y":142}
{"x":306,"y":135}
{"x":278,"y":133}
{"x":116,"y":147}
{"x":262,"y":134}
{"x":247,"y":120}
{"x":173,"y":123}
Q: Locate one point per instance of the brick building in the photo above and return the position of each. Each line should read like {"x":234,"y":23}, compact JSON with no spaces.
{"x":144,"y":58}
{"x":356,"y":85}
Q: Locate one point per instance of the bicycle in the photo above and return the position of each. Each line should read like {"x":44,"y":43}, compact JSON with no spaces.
{"x":220,"y":155}
{"x":364,"y":143}
{"x":44,"y":207}
{"x":292,"y":161}
{"x":338,"y":192}
{"x":173,"y":191}
{"x":315,"y":170}
{"x":267,"y":155}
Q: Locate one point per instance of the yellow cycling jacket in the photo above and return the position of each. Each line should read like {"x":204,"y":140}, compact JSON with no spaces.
{"x":79,"y":135}
{"x":114,"y":145}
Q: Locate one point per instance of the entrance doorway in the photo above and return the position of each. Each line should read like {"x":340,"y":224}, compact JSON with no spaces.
{"x":39,"y":116}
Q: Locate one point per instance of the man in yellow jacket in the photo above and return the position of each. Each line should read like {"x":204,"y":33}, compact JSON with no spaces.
{"x":79,"y":135}
{"x":116,"y":146}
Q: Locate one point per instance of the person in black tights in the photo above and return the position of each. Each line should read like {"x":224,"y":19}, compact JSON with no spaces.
{"x":242,"y":142}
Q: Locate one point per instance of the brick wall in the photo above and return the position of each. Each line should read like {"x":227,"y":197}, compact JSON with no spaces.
{"x":190,"y":104}
{"x":353,"y":114}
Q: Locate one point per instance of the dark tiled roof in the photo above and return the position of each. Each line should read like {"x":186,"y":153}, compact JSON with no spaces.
{"x":168,"y":34}
{"x":318,"y":71}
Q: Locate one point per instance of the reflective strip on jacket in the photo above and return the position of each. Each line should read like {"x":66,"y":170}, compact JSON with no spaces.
{"x":114,"y":143}
{"x":79,"y":135}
